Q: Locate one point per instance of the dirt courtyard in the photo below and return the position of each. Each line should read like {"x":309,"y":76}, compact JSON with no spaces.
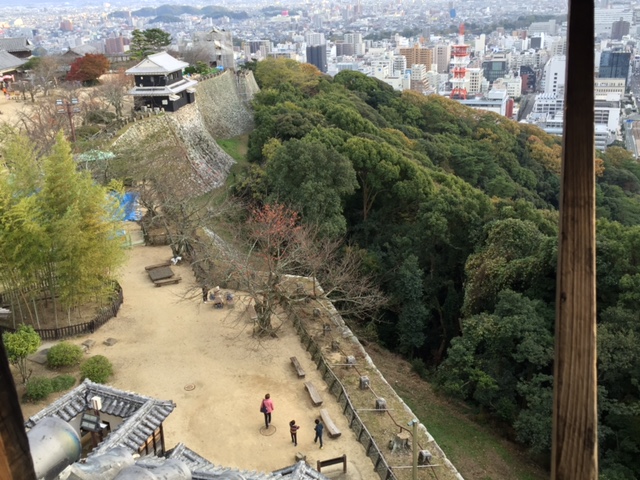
{"x":168,"y":339}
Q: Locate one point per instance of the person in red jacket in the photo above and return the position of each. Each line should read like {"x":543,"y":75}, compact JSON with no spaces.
{"x":267,"y":407}
{"x":293,"y":428}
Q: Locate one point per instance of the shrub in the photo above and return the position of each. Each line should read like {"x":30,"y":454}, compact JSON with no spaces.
{"x":97,"y":369}
{"x":38,"y":388}
{"x":62,"y":382}
{"x":64,"y":354}
{"x":19,"y":346}
{"x":418,"y":366}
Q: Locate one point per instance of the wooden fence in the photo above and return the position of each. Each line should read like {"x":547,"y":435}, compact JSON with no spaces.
{"x":106,"y":314}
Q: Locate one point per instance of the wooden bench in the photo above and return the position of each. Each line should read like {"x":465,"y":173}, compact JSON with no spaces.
{"x":313,"y":393}
{"x":298,"y":367}
{"x":158,"y":265}
{"x":333,"y":461}
{"x":167,"y":281}
{"x":332,"y":430}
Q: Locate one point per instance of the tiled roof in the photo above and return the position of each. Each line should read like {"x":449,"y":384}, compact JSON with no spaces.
{"x":157,"y":64}
{"x":9,"y":62}
{"x":142,"y":414}
{"x":203,"y":469}
{"x":82,"y":50}
{"x":135,"y":431}
{"x":19,"y":44}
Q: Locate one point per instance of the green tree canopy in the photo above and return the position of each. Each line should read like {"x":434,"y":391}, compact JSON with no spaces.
{"x":314,"y":179}
{"x":146,"y":42}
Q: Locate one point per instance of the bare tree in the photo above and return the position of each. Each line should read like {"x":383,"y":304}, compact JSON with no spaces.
{"x":199,"y":52}
{"x":46,"y":73}
{"x":42,"y":122}
{"x":114,"y":89}
{"x":277,"y":247}
{"x":27,"y":87}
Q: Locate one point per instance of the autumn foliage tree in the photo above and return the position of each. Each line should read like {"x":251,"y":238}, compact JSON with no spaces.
{"x":88,"y":69}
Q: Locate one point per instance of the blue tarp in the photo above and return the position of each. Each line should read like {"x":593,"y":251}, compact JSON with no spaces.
{"x":129,"y":205}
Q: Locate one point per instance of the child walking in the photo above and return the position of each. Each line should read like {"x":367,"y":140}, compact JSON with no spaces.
{"x":293,"y":428}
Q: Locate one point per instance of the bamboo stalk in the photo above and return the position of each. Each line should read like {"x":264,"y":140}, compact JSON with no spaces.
{"x":575,"y":448}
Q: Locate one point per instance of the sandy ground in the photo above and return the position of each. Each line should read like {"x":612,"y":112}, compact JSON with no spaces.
{"x":167,"y":339}
{"x":11,"y":109}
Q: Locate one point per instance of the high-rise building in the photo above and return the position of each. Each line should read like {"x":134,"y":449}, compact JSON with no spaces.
{"x":356,"y":40}
{"x":536,"y":42}
{"x":442,"y":57}
{"x":419,"y":81}
{"x":344,"y":49}
{"x":66,"y":25}
{"x":317,"y":55}
{"x":313,"y":38}
{"x":399,"y":64}
{"x":114,"y":46}
{"x":619,"y":29}
{"x":495,"y":67}
{"x":418,"y":55}
{"x":553,"y":76}
{"x":614,"y":64}
{"x":474,"y":79}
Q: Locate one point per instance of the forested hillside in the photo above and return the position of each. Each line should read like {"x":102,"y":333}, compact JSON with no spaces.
{"x":455,"y":211}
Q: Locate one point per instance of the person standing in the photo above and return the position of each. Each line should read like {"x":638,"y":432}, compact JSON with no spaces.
{"x":319,"y":428}
{"x":267,"y":407}
{"x":293,"y":428}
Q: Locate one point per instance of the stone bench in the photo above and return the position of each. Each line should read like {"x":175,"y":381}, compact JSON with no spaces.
{"x":158,"y":265}
{"x":167,"y":281}
{"x":332,"y":430}
{"x":298,"y":367}
{"x":313,"y":393}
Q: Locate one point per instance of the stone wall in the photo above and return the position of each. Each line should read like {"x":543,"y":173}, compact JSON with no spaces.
{"x":224,"y":103}
{"x":222,"y":110}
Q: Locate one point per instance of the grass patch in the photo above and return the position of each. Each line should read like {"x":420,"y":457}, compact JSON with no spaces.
{"x":236,"y":147}
{"x":477,"y":450}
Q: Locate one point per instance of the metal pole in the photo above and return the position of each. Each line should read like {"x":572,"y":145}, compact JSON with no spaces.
{"x":70,"y":114}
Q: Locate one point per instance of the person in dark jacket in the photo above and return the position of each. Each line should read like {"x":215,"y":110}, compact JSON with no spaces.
{"x":319,"y":428}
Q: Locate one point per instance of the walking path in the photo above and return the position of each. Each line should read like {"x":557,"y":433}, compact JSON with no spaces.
{"x":167,"y":339}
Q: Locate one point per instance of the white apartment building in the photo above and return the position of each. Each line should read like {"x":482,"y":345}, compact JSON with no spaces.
{"x":603,"y":86}
{"x":313,"y":39}
{"x":480,"y":45}
{"x":553,"y":76}
{"x":381,"y":69}
{"x":493,"y":101}
{"x":512,"y":85}
{"x":558,"y":47}
{"x":355,"y":39}
{"x":475,"y":81}
{"x":548,"y":114}
{"x":399,"y":64}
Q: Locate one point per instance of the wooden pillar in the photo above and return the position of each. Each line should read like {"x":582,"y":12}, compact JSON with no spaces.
{"x":15,"y":455}
{"x":574,"y":450}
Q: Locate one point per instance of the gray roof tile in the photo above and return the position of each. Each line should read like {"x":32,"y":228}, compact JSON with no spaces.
{"x":17,"y":44}
{"x":9,"y":62}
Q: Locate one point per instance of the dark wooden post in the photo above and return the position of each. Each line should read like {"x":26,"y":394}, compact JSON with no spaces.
{"x":15,"y":455}
{"x":575,"y":448}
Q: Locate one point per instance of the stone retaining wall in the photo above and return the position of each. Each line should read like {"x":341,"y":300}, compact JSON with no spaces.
{"x":222,"y":110}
